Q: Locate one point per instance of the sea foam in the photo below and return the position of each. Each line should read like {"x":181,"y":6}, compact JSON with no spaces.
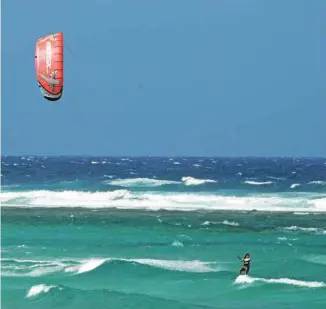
{"x":311,"y":284}
{"x":156,"y":201}
{"x":38,"y":289}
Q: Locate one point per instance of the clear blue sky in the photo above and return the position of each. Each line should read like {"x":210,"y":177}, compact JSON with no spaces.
{"x":168,"y":77}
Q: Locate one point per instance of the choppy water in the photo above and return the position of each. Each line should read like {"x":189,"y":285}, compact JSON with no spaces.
{"x":163,"y":232}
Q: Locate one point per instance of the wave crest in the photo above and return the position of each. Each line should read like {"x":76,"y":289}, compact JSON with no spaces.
{"x":156,"y":201}
{"x":258,"y":183}
{"x":38,"y":289}
{"x":191,"y":181}
{"x":77,"y":267}
{"x":140,"y":182}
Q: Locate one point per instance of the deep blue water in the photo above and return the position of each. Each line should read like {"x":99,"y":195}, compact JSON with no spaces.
{"x":171,"y":183}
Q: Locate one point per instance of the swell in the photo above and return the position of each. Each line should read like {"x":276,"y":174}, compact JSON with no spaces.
{"x":59,"y":296}
{"x":51,"y":294}
{"x":211,"y":183}
{"x":223,"y":222}
{"x":102,"y":266}
{"x":116,"y":269}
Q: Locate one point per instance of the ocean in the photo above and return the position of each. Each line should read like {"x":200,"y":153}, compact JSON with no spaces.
{"x":104,"y":232}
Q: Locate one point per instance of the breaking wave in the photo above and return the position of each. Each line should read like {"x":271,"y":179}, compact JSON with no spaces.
{"x":156,"y":201}
{"x":231,"y":223}
{"x":318,"y":182}
{"x":140,"y":182}
{"x":38,"y":289}
{"x":305,"y":229}
{"x":33,"y":268}
{"x":191,"y":181}
{"x":150,"y":182}
{"x":258,"y":183}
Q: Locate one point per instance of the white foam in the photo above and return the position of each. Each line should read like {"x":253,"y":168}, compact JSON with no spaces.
{"x":86,"y":266}
{"x":37,"y":268}
{"x":318,"y":182}
{"x":156,"y":201}
{"x":295,"y":185}
{"x":30,"y":268}
{"x":177,"y":244}
{"x":311,"y":284}
{"x":64,"y":198}
{"x":226,"y":222}
{"x":40,"y":288}
{"x":177,"y":265}
{"x":305,"y":229}
{"x":25,"y":261}
{"x":42,"y":271}
{"x":277,"y":178}
{"x":258,"y":183}
{"x":295,"y":228}
{"x":191,"y":181}
{"x":140,"y":182}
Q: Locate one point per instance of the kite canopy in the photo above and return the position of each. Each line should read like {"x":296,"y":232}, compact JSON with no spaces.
{"x":49,"y":65}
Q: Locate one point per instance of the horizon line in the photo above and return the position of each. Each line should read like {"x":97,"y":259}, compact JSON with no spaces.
{"x":165,"y":156}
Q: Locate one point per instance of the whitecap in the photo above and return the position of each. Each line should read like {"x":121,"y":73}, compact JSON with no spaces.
{"x":317,"y":182}
{"x":126,"y":199}
{"x":86,"y":266}
{"x":177,"y":244}
{"x":258,"y":183}
{"x":231,"y":223}
{"x":191,"y":181}
{"x":140,"y":182}
{"x":40,"y":288}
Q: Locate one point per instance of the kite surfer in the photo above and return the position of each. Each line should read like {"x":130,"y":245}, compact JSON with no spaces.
{"x":246,"y":264}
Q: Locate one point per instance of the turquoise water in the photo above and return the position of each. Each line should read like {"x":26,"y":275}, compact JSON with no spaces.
{"x":65,"y":258}
{"x":95,"y":237}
